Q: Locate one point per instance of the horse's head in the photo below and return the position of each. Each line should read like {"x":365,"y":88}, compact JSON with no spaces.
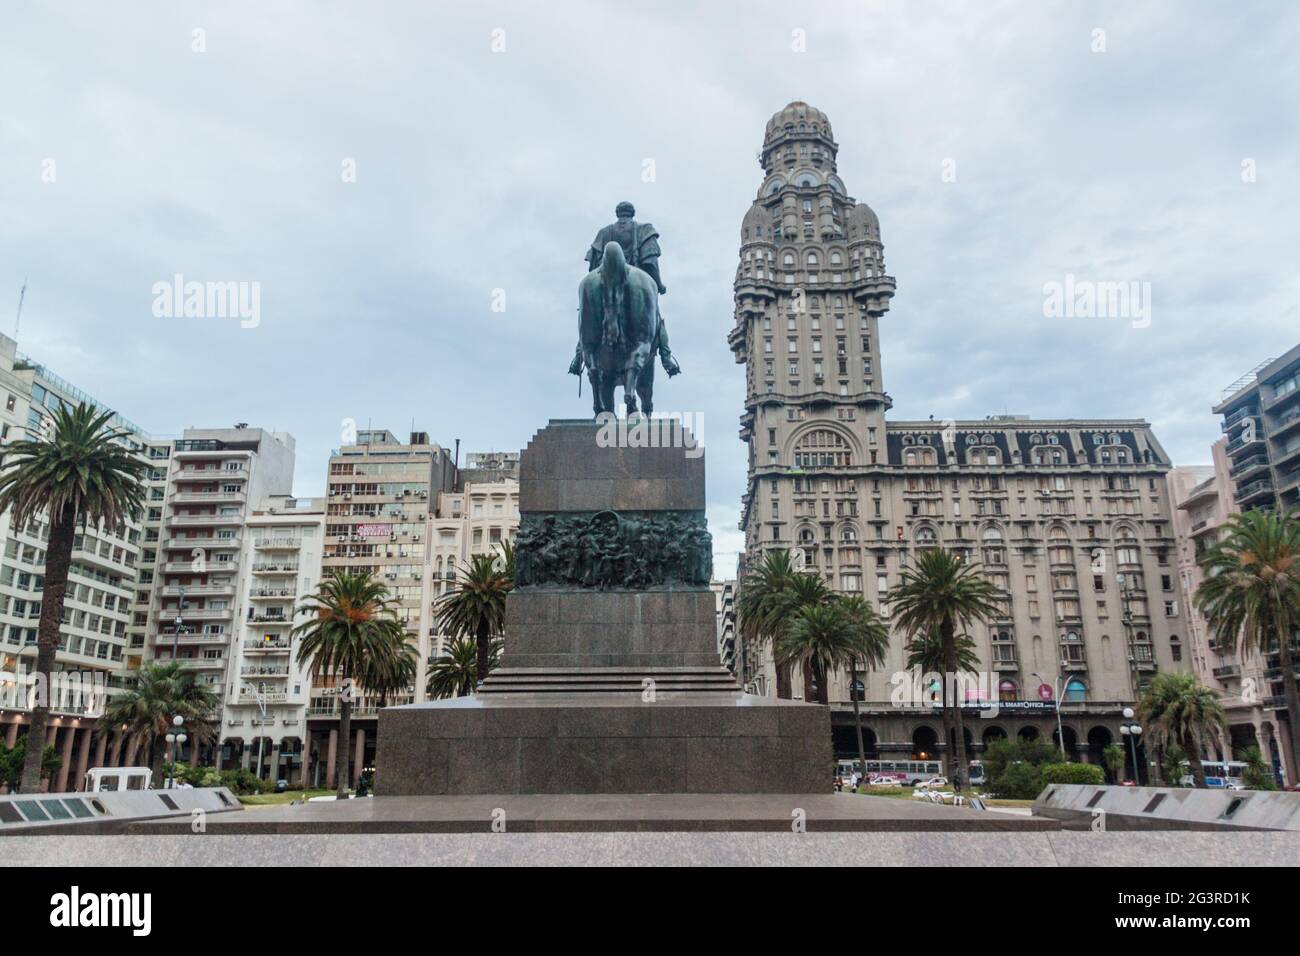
{"x":613,"y":265}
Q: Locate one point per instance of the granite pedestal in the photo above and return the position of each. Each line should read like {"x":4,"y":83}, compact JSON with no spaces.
{"x":607,"y":689}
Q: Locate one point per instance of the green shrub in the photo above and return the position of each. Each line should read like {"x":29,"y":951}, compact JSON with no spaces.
{"x":244,"y":782}
{"x":1072,"y":773}
{"x":1019,"y":781}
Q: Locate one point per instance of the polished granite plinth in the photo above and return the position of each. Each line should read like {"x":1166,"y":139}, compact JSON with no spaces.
{"x":609,"y":813}
{"x":592,"y":743}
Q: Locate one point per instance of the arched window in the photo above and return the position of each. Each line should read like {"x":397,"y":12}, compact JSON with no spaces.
{"x":812,"y":259}
{"x":788,"y":259}
{"x":822,"y":447}
{"x":1076,"y":690}
{"x":926,"y":538}
{"x":837,"y":258}
{"x":1008,"y":692}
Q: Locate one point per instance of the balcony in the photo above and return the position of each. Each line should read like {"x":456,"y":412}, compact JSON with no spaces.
{"x":207,"y":543}
{"x":209,"y":497}
{"x":270,"y":619}
{"x":208,"y":474}
{"x":1006,"y":667}
{"x":263,"y":670}
{"x":1256,"y":491}
{"x":204,"y":520}
{"x":207,"y":614}
{"x":281,"y":645}
{"x":189,"y":637}
{"x":1248,"y":465}
{"x":197,"y":590}
{"x":1231,"y":420}
{"x":277,"y":544}
{"x":1242,"y":441}
{"x":263,"y":594}
{"x":1226,"y":671}
{"x":275,"y":567}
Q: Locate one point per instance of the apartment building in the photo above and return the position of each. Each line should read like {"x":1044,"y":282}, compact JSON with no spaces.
{"x":724,"y":592}
{"x":1261,"y":417}
{"x":476,"y":518}
{"x":92,"y":662}
{"x":200,"y":598}
{"x":380,"y":494}
{"x":264,"y":720}
{"x":1070,"y":518}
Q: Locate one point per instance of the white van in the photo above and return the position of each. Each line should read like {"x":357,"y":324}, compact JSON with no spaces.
{"x":109,"y":779}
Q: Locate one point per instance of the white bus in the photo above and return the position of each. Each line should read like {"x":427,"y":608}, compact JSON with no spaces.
{"x":1218,"y":775}
{"x":905,"y":772}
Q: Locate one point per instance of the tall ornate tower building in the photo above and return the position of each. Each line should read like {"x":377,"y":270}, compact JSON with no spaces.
{"x":1070,"y":518}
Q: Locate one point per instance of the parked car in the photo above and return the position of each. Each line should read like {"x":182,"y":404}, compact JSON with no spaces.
{"x":281,"y":785}
{"x":932,"y":784}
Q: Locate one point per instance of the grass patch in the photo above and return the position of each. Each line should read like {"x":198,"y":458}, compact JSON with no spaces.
{"x":280,"y":799}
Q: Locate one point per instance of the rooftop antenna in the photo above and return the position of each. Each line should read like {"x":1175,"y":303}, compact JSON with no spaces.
{"x":22,"y":294}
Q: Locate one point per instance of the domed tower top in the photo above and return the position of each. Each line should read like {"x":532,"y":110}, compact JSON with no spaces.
{"x":798,"y":125}
{"x":796,"y":118}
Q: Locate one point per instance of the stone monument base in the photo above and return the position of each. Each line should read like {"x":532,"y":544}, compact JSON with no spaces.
{"x":594,"y":742}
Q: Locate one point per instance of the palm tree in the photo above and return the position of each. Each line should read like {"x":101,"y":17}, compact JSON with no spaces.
{"x":455,"y":673}
{"x":761,"y":607}
{"x":939,"y":594}
{"x":392,"y":672}
{"x":353,"y":625}
{"x":870,"y":637}
{"x":1112,"y":756}
{"x":81,"y":476}
{"x":925,"y":656}
{"x":1179,"y":709}
{"x":476,"y":606}
{"x":163,"y":691}
{"x":1251,"y":595}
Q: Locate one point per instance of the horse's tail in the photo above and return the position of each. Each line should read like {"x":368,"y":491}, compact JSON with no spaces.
{"x":613,"y":275}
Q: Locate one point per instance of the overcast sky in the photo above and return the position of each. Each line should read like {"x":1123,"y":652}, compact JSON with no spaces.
{"x":127,"y":156}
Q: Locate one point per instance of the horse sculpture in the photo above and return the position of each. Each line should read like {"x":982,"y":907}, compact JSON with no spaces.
{"x":618,"y":325}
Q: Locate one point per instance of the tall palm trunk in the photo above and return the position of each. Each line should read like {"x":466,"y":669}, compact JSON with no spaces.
{"x":343,"y":762}
{"x":1291,"y":698}
{"x":823,"y":683}
{"x":159,"y":752}
{"x":483,"y":649}
{"x":857,"y":714}
{"x":58,"y":559}
{"x":784,"y":690}
{"x":947,"y":634}
{"x":1193,"y":750}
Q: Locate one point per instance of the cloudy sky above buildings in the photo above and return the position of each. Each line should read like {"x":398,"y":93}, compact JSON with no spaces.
{"x":126,"y":157}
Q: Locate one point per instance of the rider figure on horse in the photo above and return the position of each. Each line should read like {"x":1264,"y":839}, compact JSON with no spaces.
{"x":640,"y":244}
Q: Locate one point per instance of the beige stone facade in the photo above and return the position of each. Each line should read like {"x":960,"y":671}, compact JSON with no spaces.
{"x":1070,"y":518}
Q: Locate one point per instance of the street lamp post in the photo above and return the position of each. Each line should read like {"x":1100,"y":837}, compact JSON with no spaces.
{"x":174,"y":738}
{"x":1057,"y":687}
{"x":1132,"y":730}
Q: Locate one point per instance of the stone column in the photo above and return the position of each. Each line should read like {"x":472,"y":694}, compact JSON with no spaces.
{"x":50,"y":733}
{"x":333,"y":752}
{"x":11,"y":735}
{"x":358,"y":758}
{"x":275,"y":762}
{"x":305,"y":764}
{"x":60,"y":782}
{"x":101,"y":744}
{"x":83,"y":759}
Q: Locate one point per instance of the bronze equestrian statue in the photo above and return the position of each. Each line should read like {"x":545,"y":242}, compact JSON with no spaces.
{"x":607,"y":364}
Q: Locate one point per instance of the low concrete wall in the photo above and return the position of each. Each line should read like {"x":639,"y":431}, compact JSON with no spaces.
{"x":1077,"y":806}
{"x":54,"y":813}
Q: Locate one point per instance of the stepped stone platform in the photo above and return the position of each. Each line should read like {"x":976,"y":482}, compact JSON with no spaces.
{"x":610,"y":679}
{"x":608,"y":813}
